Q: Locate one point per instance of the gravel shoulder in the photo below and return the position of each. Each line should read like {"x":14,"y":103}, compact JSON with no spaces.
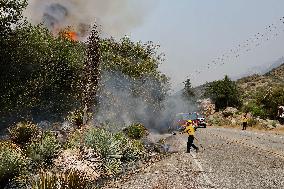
{"x":230,"y":158}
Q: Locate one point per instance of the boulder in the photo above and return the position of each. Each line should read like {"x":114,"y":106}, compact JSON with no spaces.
{"x":206,"y":106}
{"x":229,"y":111}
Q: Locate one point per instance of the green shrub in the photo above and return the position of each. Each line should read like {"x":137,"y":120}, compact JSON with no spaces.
{"x":109,"y":146}
{"x":134,"y":150}
{"x":274,"y":124}
{"x":255,"y":110}
{"x":23,"y":132}
{"x":266,"y":101}
{"x":252,"y":122}
{"x":214,"y":120}
{"x":12,"y":162}
{"x":103,"y":142}
{"x":136,"y":131}
{"x":131,"y":149}
{"x":68,"y":180}
{"x":74,"y":140}
{"x":44,"y":150}
{"x":112,"y":166}
{"x":113,"y":148}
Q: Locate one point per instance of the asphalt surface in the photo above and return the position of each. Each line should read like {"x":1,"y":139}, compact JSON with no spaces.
{"x":242,"y":159}
{"x":229,"y":158}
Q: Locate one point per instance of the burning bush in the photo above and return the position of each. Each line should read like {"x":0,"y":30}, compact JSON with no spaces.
{"x":41,"y":76}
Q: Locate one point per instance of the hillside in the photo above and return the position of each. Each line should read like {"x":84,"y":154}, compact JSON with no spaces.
{"x":251,"y":84}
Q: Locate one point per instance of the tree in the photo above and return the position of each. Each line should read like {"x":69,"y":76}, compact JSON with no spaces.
{"x":270,"y":99}
{"x":91,"y":71}
{"x":10,"y":14}
{"x":40,"y":74}
{"x":188,"y":93}
{"x":131,"y":84}
{"x":224,"y":93}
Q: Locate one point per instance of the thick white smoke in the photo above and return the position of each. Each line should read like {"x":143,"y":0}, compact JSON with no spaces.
{"x":118,"y":104}
{"x":116,"y":17}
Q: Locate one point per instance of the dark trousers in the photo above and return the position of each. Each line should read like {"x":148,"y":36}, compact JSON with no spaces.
{"x":245,"y":125}
{"x":190,"y":143}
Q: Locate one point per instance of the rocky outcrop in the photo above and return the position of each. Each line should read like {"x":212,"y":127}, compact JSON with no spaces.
{"x":206,"y":106}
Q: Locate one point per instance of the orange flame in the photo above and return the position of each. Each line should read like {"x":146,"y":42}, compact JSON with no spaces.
{"x":71,"y":35}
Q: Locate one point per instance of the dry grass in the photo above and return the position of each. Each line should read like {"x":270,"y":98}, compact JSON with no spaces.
{"x":279,"y":130}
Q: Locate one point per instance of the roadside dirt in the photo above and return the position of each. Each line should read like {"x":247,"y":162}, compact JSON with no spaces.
{"x":258,"y":129}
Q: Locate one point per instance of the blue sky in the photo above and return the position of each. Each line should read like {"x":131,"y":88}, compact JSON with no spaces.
{"x":193,"y":32}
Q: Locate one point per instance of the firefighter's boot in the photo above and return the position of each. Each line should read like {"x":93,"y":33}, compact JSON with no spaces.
{"x":197,"y":150}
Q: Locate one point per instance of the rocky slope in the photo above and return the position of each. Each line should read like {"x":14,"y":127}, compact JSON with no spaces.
{"x":251,"y":84}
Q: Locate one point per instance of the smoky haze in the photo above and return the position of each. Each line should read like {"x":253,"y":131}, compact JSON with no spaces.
{"x":115,"y":17}
{"x":120,"y":106}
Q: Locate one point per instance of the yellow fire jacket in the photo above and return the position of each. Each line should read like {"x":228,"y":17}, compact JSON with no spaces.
{"x":189,"y":130}
{"x":245,"y":119}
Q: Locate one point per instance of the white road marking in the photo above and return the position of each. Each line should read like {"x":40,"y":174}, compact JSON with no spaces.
{"x":206,"y":178}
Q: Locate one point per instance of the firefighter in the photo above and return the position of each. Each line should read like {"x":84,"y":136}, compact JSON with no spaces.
{"x":190,"y":131}
{"x":245,"y":121}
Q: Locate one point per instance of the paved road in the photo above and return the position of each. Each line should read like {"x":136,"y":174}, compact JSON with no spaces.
{"x":242,"y":159}
{"x":230,"y":158}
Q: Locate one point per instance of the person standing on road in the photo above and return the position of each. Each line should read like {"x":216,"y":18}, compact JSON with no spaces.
{"x":245,"y":121}
{"x":190,"y":131}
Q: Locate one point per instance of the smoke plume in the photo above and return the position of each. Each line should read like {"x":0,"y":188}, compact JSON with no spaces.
{"x":118,"y":105}
{"x":116,"y":17}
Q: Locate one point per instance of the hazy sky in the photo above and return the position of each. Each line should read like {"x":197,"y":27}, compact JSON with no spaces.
{"x":194,"y":32}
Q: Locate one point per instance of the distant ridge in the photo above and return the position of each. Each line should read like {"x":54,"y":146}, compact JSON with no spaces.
{"x":267,"y":77}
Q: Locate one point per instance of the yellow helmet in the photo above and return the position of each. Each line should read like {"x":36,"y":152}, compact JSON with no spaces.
{"x":189,"y":121}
